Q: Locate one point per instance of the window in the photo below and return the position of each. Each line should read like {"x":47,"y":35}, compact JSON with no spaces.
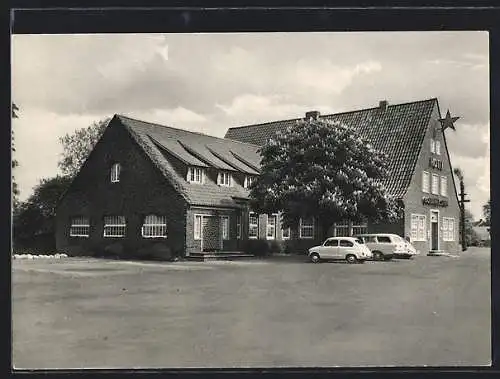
{"x":346,"y":243}
{"x":154,"y":227}
{"x":115,"y":173}
{"x":285,"y":233}
{"x":425,"y":182}
{"x":271,"y":227}
{"x":238,"y":226}
{"x":438,"y":147}
{"x":248,"y":181}
{"x":383,"y":239}
{"x":197,"y":226}
{"x":418,"y":227}
{"x":114,"y":226}
{"x":435,"y":184}
{"x":224,"y":179}
{"x":253,"y":226}
{"x":332,"y":242}
{"x":433,"y":145}
{"x":80,"y":227}
{"x":196,"y":175}
{"x":306,"y":228}
{"x":448,"y":229}
{"x":359,"y":229}
{"x":225,"y":227}
{"x":370,"y":239}
{"x":342,"y":229}
{"x":444,"y":186}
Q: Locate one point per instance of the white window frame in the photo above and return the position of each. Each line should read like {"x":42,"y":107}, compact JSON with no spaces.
{"x":224,"y":227}
{"x":195,"y":175}
{"x":238,"y":226}
{"x":115,"y":173}
{"x":426,"y":185}
{"x":438,"y":147}
{"x":255,"y":225}
{"x":448,"y":229}
{"x":154,"y":226}
{"x":418,"y":228}
{"x":248,"y":181}
{"x":363,"y":227}
{"x":444,"y":186}
{"x":275,"y":227}
{"x":342,"y":225}
{"x":435,"y":184}
{"x":303,"y":227}
{"x":197,"y":226}
{"x":224,"y":179}
{"x":113,"y":227}
{"x":79,"y":227}
{"x":433,"y":145}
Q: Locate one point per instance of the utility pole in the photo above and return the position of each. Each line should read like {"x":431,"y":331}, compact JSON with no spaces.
{"x":462,"y":202}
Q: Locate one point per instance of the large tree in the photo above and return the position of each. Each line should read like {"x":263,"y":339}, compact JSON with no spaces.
{"x":37,"y":214}
{"x":487,"y":212}
{"x":325,"y":170}
{"x":14,"y":162}
{"x":78,"y":145}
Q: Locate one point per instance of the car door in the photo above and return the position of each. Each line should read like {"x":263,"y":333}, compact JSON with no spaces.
{"x":386,"y":246}
{"x":329,"y":250}
{"x":346,"y":247}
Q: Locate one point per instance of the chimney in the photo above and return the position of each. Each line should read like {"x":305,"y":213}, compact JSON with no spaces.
{"x":382,"y":104}
{"x":312,"y":115}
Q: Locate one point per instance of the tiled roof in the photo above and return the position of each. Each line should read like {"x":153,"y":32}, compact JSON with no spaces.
{"x":399,"y":131}
{"x":194,"y":149}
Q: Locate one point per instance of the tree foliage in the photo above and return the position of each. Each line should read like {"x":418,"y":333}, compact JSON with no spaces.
{"x":78,"y":145}
{"x":37,"y":214}
{"x":14,"y":162}
{"x":320,"y":169}
{"x":487,"y":212}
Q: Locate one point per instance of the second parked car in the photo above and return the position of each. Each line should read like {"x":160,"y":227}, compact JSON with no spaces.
{"x":387,"y":246}
{"x":353,"y":250}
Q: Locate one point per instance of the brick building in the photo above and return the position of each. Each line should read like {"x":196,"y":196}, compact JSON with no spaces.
{"x":148,"y":189}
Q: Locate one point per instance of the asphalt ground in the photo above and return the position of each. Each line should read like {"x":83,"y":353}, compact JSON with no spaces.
{"x":89,"y":313}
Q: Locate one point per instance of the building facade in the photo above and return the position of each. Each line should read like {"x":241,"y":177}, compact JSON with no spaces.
{"x":152,"y":190}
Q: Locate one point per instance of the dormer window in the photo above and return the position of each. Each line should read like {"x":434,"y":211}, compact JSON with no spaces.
{"x":224,"y":179}
{"x":115,"y":173}
{"x":248,"y":181}
{"x":195,"y":175}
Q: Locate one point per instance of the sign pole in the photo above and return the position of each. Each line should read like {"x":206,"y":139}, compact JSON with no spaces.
{"x":462,"y":214}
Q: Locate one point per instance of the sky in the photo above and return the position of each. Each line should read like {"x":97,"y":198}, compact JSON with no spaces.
{"x":210,"y":82}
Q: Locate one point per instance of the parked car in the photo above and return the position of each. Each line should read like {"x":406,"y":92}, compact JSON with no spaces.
{"x":385,"y":246}
{"x":353,"y":250}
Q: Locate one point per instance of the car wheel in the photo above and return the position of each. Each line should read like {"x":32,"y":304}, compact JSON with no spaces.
{"x":378,"y":256}
{"x":315,"y":258}
{"x":351,"y":258}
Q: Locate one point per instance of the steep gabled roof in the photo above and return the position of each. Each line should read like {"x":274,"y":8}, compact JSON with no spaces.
{"x":398,"y":130}
{"x":195,"y":149}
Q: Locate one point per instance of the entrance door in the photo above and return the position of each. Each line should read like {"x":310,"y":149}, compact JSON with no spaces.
{"x":434,"y":230}
{"x":211,"y":240}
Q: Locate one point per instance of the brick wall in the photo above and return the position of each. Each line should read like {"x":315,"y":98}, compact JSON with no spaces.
{"x":141,"y":190}
{"x":413,"y":198}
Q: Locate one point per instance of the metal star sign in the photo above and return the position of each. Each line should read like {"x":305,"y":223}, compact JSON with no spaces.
{"x":448,"y":121}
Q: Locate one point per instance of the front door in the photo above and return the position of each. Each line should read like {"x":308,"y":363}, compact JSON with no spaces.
{"x":434,"y":230}
{"x":211,"y":237}
{"x":329,"y":250}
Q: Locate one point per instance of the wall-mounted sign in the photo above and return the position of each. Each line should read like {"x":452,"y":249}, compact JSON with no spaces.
{"x":434,"y":201}
{"x":435,"y":163}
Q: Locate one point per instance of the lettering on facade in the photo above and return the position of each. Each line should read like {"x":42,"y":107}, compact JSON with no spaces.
{"x":435,"y":163}
{"x":434,"y":201}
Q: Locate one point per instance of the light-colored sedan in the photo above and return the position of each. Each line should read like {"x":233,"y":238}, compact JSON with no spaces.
{"x":351,"y":249}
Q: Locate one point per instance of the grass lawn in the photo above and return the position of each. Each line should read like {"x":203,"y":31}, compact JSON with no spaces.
{"x":76,"y":313}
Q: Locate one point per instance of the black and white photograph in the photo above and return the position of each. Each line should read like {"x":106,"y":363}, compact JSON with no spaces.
{"x":251,"y":200}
